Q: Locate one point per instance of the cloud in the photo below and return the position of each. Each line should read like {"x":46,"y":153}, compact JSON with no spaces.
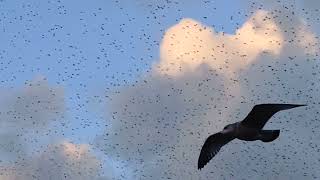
{"x":159,"y":124}
{"x":27,"y":113}
{"x":308,"y":40}
{"x":63,"y":160}
{"x":189,"y":44}
{"x":28,"y":110}
{"x":33,"y":106}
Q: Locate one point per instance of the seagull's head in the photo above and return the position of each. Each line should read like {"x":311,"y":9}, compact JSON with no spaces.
{"x":227,"y":127}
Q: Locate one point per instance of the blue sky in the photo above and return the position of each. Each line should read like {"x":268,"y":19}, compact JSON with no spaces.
{"x":56,"y":39}
{"x":90,"y":49}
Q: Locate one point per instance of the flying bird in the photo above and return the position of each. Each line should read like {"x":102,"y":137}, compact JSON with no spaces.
{"x":249,"y":129}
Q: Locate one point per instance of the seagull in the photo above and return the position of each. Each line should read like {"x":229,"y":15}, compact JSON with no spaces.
{"x":249,"y":129}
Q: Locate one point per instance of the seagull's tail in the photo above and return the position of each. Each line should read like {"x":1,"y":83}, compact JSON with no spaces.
{"x":269,"y":135}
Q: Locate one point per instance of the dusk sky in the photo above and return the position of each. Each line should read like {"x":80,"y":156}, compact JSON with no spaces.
{"x":130,"y":89}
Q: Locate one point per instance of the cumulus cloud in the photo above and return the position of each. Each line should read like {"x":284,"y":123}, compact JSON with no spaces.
{"x":33,"y":106}
{"x":189,"y":44}
{"x":27,"y":113}
{"x":28,"y":110}
{"x":63,"y":160}
{"x":206,"y":79}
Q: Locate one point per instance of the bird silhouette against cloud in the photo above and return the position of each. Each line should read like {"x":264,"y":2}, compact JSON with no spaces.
{"x":249,"y":129}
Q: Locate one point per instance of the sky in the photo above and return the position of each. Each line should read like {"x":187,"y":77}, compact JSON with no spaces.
{"x":131,"y":89}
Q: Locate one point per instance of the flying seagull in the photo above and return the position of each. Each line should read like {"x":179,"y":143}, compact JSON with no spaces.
{"x":250,"y":129}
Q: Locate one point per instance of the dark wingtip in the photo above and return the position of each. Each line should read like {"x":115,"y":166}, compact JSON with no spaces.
{"x":292,"y":105}
{"x":298,"y":105}
{"x":200,"y":166}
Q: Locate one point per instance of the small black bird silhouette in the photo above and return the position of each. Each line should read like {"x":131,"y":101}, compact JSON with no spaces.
{"x":250,"y":129}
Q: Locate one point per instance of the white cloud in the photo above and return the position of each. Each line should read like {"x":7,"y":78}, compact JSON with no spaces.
{"x":189,"y":44}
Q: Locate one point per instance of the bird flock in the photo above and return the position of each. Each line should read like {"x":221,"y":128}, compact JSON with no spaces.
{"x":132,"y":89}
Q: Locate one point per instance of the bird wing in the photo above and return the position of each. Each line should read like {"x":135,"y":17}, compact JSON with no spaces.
{"x":260,"y":114}
{"x":212,"y":146}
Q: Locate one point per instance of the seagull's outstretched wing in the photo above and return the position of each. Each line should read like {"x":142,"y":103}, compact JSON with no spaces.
{"x":212,"y":146}
{"x":261,"y":113}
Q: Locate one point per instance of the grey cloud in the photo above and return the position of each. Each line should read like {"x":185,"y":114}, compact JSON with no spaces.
{"x":33,"y":106}
{"x":59,"y":161}
{"x":12,"y":147}
{"x":25,"y":114}
{"x":159,"y":124}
